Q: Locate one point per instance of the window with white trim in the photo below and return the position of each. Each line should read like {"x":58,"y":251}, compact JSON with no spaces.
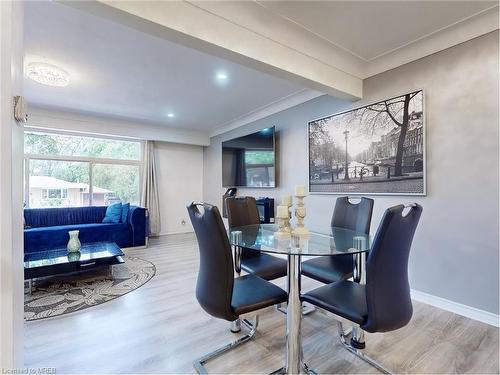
{"x":54,"y":193}
{"x":70,"y":170}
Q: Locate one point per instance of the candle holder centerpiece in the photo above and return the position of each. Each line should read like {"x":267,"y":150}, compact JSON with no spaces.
{"x":287,"y":201}
{"x":300,"y":211}
{"x":283,"y":218}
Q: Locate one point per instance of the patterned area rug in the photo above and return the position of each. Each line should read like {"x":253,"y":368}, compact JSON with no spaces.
{"x":65,"y":294}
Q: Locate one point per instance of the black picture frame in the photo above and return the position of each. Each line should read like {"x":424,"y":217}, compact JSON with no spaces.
{"x":375,"y":149}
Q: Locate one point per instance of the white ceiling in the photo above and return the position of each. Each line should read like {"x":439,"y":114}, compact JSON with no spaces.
{"x":370,"y":29}
{"x":122,"y":72}
{"x":118,"y":71}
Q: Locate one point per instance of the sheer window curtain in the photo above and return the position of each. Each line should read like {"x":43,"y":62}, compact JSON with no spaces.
{"x":149,"y":196}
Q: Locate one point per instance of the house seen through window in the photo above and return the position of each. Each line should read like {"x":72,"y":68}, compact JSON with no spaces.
{"x":72,"y":170}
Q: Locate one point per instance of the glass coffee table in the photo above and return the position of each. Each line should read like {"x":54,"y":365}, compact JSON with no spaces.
{"x":58,"y":261}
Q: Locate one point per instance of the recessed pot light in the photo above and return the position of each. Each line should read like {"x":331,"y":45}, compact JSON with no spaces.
{"x":47,"y":74}
{"x":221,"y":76}
{"x":170,"y":115}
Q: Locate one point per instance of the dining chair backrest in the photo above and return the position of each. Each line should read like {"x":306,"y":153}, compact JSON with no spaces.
{"x":214,"y":286}
{"x":242,"y":211}
{"x":388,"y":299}
{"x":353,"y":216}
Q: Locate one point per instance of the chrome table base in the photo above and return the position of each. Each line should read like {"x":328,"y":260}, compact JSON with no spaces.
{"x":305,"y":369}
{"x":293,"y":317}
{"x":198,"y":364}
{"x":294,"y":311}
{"x":306,"y":310}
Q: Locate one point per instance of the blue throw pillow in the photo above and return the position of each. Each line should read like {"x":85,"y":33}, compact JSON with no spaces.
{"x":125,"y":209}
{"x":113,"y":213}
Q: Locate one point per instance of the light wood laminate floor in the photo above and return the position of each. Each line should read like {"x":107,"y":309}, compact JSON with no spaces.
{"x":160,"y":328}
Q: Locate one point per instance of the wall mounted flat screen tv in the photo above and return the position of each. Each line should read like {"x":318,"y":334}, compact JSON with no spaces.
{"x":249,"y":161}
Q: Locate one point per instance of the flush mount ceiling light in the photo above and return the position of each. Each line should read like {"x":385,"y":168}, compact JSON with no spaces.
{"x":170,"y":115}
{"x":47,"y":74}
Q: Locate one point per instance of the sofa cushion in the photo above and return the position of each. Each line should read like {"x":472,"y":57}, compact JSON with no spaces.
{"x":113,"y":213}
{"x":45,"y":217}
{"x":125,"y":210}
{"x":44,"y":238}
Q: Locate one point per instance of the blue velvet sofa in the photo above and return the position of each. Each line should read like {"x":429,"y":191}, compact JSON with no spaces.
{"x":47,"y":228}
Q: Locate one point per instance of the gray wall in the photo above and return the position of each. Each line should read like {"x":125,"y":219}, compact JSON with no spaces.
{"x":455,"y":254}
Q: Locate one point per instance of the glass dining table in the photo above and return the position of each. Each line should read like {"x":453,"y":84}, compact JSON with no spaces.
{"x":331,"y":241}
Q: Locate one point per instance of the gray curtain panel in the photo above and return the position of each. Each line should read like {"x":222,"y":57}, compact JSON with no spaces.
{"x":149,"y":197}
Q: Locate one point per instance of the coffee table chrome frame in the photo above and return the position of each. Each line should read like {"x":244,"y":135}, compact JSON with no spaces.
{"x":31,"y":282}
{"x":30,"y":286}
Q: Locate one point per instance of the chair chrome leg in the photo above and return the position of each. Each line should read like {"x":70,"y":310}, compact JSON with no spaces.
{"x":236,"y":326}
{"x":358,"y":352}
{"x":236,"y":238}
{"x":358,"y":338}
{"x":198,"y":364}
{"x":359,"y":276}
{"x":308,"y":370}
{"x":281,"y":370}
{"x":306,"y":310}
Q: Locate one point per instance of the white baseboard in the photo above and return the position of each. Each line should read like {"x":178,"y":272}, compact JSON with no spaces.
{"x":457,"y":308}
{"x":135,"y":248}
{"x":176,"y":232}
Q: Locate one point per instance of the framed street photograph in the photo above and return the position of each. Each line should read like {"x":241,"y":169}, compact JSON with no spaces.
{"x":375,"y":149}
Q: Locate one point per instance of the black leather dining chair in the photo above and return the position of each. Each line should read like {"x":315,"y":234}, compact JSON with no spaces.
{"x":217,"y":291}
{"x":243,"y":211}
{"x":347,"y":215}
{"x":384,"y":303}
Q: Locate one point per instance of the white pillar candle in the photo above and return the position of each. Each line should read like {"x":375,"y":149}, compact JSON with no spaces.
{"x":282,"y":212}
{"x":286,"y":200}
{"x":300,"y":190}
